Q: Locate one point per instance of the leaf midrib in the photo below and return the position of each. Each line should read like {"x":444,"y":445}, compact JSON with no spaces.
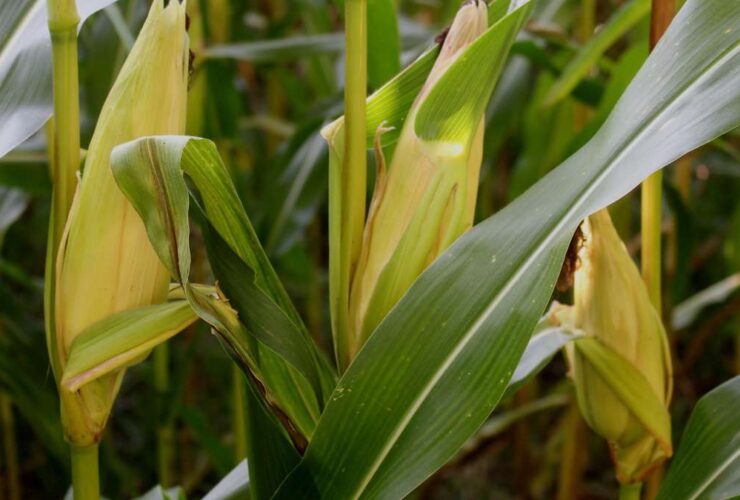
{"x":521,"y":269}
{"x":722,"y":467}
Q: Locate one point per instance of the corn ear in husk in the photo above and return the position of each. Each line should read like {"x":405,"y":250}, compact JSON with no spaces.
{"x":105,"y":263}
{"x":421,"y":203}
{"x":622,"y":368}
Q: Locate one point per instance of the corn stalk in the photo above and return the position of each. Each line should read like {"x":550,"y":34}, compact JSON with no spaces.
{"x":63,"y":21}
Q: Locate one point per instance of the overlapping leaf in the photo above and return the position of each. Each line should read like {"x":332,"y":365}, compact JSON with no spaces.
{"x":260,"y":326}
{"x":437,"y":365}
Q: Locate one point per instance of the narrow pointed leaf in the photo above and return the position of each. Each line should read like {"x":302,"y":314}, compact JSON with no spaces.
{"x":437,"y":365}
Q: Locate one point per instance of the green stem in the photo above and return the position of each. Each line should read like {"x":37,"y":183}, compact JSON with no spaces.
{"x":165,"y":432}
{"x":355,"y":140}
{"x":85,"y":481}
{"x":11,"y":448}
{"x":64,"y":160}
{"x":651,"y":217}
{"x":630,"y":491}
{"x":63,"y":21}
{"x":652,"y":189}
{"x":239,"y":422}
{"x":652,"y":197}
{"x":573,"y":456}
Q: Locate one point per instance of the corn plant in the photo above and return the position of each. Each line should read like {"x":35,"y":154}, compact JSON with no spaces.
{"x":434,"y":318}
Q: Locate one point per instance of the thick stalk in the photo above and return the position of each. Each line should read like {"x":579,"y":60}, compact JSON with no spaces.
{"x":65,"y":162}
{"x":63,"y":20}
{"x":238,"y":414}
{"x":652,"y":192}
{"x":355,"y":159}
{"x":651,"y":216}
{"x":651,"y":206}
{"x":10,"y":447}
{"x":630,"y":491}
{"x":85,"y":481}
{"x":165,"y":432}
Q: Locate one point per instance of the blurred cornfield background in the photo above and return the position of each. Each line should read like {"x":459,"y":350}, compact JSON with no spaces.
{"x":266,"y":75}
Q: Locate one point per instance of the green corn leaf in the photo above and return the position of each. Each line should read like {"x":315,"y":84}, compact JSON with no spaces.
{"x":25,"y":68}
{"x":270,"y":454}
{"x":621,"y":76}
{"x":622,"y":21}
{"x":707,"y":463}
{"x":151,"y":173}
{"x":383,"y":42}
{"x":437,"y":365}
{"x":122,"y":340}
{"x":630,"y":386}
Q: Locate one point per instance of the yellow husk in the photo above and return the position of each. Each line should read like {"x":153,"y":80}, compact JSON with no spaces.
{"x":612,"y":304}
{"x":426,"y":200}
{"x":106,"y":263}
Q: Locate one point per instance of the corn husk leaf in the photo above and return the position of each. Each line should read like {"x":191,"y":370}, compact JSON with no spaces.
{"x":122,"y":340}
{"x":636,"y":394}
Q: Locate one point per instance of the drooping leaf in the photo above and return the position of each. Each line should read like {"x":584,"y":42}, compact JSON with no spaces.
{"x":437,"y":365}
{"x":25,"y":67}
{"x":151,"y":173}
{"x":707,"y":462}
